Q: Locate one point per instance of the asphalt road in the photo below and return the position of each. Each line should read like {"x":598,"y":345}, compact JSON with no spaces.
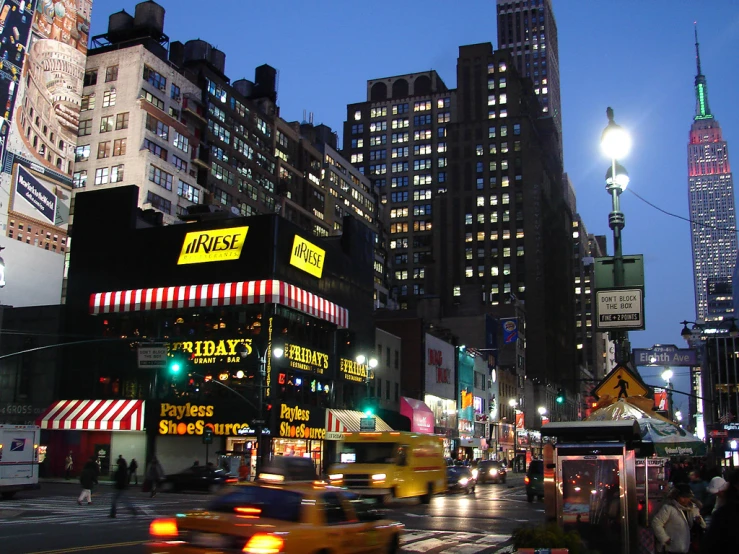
{"x":49,"y":521}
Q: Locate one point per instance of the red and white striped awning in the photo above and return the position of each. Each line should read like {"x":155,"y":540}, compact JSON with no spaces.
{"x":219,"y":294}
{"x":347,"y":421}
{"x":94,"y":415}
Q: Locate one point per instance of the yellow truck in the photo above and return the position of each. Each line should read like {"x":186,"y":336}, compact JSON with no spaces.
{"x":391,"y":464}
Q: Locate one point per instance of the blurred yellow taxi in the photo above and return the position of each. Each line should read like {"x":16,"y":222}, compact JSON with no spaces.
{"x":275,"y":518}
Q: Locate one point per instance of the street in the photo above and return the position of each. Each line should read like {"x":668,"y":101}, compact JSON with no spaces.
{"x":50,"y":521}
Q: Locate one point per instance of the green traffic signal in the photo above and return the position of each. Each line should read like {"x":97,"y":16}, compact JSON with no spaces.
{"x":174,"y":367}
{"x":369,"y":412}
{"x":560,"y":397}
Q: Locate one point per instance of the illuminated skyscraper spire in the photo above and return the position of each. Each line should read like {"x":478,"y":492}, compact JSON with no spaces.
{"x":702,"y":110}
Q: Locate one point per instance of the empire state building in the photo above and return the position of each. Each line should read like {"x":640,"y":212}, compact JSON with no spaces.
{"x":712,"y":212}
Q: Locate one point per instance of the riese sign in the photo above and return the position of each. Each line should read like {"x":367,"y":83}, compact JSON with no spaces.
{"x":353,"y":371}
{"x":306,"y":359}
{"x":307,"y":257}
{"x":296,"y":422}
{"x":193,"y":419}
{"x":213,"y":351}
{"x":217,"y":245}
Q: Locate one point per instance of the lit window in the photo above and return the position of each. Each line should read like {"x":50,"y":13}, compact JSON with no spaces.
{"x":457,"y":290}
{"x":357,"y":115}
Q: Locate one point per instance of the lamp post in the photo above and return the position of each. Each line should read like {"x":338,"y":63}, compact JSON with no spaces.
{"x":667,"y":376}
{"x":513,"y":403}
{"x":371,"y":365}
{"x":615,"y":144}
{"x":542,"y":412}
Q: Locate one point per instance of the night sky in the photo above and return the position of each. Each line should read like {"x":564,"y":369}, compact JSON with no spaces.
{"x":636,"y":56}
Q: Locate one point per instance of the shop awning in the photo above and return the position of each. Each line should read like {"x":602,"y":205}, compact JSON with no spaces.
{"x":347,"y":421}
{"x":94,"y":415}
{"x":219,"y":294}
{"x":421,"y":416}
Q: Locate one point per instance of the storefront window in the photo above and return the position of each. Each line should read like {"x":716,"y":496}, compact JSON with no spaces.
{"x":312,"y":449}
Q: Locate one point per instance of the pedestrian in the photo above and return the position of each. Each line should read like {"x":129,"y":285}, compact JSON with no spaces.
{"x":673,"y":523}
{"x":88,"y":479}
{"x":120,"y":478}
{"x":717,"y":489}
{"x":154,"y":475}
{"x":698,"y":486}
{"x":723,"y":532}
{"x":68,"y":465}
{"x":132,"y":467}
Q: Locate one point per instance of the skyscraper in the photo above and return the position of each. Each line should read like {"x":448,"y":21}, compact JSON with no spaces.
{"x":711,"y":200}
{"x":529,"y":31}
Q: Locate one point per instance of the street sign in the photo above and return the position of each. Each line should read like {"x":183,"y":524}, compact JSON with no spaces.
{"x":663,"y":355}
{"x":152,"y":356}
{"x":620,"y":383}
{"x":619,"y":309}
{"x":367,"y":423}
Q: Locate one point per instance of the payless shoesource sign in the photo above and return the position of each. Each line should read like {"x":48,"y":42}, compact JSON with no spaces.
{"x":218,"y":245}
{"x":307,"y":256}
{"x":193,"y":419}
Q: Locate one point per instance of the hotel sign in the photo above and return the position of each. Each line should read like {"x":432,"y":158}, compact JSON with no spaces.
{"x":217,"y":245}
{"x":307,"y":257}
{"x":352,"y":371}
{"x":306,"y":359}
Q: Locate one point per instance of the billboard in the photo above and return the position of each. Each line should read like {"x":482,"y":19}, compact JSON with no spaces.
{"x":44,"y":61}
{"x":439,"y":368}
{"x":40,"y":199}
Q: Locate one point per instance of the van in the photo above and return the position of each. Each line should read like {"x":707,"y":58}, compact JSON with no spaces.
{"x":391,"y":464}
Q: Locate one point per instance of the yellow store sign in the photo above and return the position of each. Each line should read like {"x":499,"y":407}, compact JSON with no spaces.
{"x":306,"y":359}
{"x":307,"y":256}
{"x":353,"y":371}
{"x":217,"y":245}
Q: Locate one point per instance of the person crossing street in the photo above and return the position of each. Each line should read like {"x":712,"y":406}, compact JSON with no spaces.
{"x":120,"y":479}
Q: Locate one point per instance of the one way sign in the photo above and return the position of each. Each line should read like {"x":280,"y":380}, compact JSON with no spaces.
{"x":619,"y":309}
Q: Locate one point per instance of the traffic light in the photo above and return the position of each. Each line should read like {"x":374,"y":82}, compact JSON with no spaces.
{"x":367,"y":407}
{"x":560,"y":396}
{"x":175,"y":366}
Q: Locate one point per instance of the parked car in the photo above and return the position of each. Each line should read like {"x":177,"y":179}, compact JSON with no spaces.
{"x":289,"y":468}
{"x":534,"y":481}
{"x":460,"y":479}
{"x":490,"y":471}
{"x":198,"y":478}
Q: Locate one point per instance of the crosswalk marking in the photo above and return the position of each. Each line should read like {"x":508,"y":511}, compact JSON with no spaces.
{"x":449,"y":542}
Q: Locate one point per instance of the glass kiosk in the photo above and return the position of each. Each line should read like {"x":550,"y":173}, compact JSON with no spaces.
{"x":590,"y":482}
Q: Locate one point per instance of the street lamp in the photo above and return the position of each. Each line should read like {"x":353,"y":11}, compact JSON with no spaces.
{"x":667,"y":376}
{"x":542,"y":412}
{"x":615,"y":144}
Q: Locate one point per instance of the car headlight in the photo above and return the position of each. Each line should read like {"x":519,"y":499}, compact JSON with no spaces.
{"x":336,"y":476}
{"x":379,"y":477}
{"x":463,"y":481}
{"x":475,"y":473}
{"x":493,"y":472}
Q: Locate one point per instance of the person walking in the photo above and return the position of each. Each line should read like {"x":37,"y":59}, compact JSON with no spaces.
{"x":717,"y":490}
{"x":132,"y":467}
{"x":88,"y":479}
{"x":154,"y":475}
{"x":673,"y":522}
{"x":68,"y":465}
{"x":723,"y":532}
{"x":698,"y":486}
{"x":120,"y":478}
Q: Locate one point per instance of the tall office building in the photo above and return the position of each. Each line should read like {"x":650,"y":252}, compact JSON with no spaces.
{"x":528,"y":29}
{"x":711,"y":200}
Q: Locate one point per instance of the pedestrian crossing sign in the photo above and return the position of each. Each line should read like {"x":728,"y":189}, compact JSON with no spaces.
{"x":621,"y":383}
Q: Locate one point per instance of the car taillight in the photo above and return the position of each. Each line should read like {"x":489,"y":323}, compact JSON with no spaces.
{"x":232,"y":480}
{"x":264,"y":543}
{"x":163,"y":528}
{"x":526,"y":479}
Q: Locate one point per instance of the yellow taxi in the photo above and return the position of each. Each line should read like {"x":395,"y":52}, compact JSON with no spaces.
{"x":289,"y":518}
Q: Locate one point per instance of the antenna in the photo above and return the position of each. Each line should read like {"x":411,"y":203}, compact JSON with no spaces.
{"x":697,"y":50}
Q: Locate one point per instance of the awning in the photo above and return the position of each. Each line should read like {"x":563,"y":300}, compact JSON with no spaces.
{"x":347,"y":421}
{"x":94,"y":415}
{"x":219,"y":294}
{"x":421,"y":416}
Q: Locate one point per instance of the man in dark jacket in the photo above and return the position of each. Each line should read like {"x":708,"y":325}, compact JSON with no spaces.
{"x":120,"y":478}
{"x":88,"y":479}
{"x":723,"y":532}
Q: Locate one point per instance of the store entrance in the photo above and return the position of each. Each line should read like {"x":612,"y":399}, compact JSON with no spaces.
{"x":239,"y":458}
